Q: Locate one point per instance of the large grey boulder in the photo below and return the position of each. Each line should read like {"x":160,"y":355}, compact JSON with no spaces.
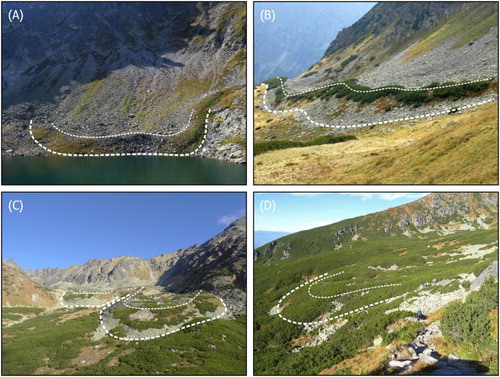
{"x":399,"y":363}
{"x":491,"y":270}
{"x":427,"y":358}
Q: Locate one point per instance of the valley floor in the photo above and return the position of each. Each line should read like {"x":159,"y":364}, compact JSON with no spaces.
{"x":144,"y":332}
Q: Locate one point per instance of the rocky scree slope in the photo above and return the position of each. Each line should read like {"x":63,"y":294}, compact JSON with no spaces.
{"x":100,"y":69}
{"x":441,"y":212}
{"x":403,"y":44}
{"x":217,"y":266}
{"x":413,"y":44}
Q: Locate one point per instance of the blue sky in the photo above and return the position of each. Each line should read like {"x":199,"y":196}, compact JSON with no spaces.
{"x":295,"y":212}
{"x":58,"y":230}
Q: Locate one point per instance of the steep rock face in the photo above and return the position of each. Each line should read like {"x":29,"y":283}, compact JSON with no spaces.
{"x":115,"y":67}
{"x":437,"y":212}
{"x":398,"y":42}
{"x":446,"y":211}
{"x":217,"y":265}
{"x":412,"y":18}
{"x":20,"y":290}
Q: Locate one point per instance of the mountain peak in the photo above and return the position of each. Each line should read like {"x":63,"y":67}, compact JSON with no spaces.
{"x":12,"y":263}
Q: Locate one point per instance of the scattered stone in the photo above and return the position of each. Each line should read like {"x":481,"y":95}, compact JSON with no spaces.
{"x":427,"y":351}
{"x":399,"y":363}
{"x":452,"y":358}
{"x":427,"y":359}
{"x":143,"y":315}
{"x":413,"y":353}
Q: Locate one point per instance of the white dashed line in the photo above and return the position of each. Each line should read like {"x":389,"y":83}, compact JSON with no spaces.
{"x":313,"y":122}
{"x":416,"y":89}
{"x":168,"y":332}
{"x":320,"y":278}
{"x":123,"y":154}
{"x":131,"y":133}
{"x":131,"y":295}
{"x":163,"y":307}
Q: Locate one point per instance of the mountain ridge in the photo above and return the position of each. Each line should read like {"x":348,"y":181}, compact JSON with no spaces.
{"x":397,"y":42}
{"x":218,"y":264}
{"x":442,"y":211}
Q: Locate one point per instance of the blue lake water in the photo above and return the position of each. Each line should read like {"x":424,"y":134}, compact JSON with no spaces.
{"x":120,"y":170}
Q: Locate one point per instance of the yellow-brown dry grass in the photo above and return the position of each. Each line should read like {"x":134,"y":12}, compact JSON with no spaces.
{"x":91,"y":355}
{"x":369,"y":362}
{"x":269,"y":126}
{"x":76,"y":314}
{"x":437,"y":315}
{"x":453,"y":149}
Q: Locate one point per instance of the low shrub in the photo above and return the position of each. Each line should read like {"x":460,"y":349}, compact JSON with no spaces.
{"x":468,"y":321}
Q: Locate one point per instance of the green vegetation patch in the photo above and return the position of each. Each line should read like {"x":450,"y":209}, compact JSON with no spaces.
{"x":471,"y":327}
{"x":216,"y":348}
{"x":77,"y":296}
{"x":468,"y":321}
{"x":274,"y":82}
{"x":22,"y":310}
{"x":326,"y":250}
{"x":346,"y":62}
{"x":27,"y":346}
{"x":235,"y":140}
{"x":205,"y":306}
{"x":412,"y":98}
{"x":123,"y":314}
{"x":12,"y":317}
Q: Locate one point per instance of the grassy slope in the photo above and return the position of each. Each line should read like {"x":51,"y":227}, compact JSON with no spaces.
{"x":454,"y":149}
{"x":48,"y":346}
{"x":272,"y":127}
{"x":273,"y":337}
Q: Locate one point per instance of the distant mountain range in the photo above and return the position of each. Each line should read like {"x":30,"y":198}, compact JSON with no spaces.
{"x":261,"y":237}
{"x":218,"y":265}
{"x":299,"y":36}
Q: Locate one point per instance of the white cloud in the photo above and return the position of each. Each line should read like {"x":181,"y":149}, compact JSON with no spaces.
{"x":309,"y":194}
{"x":228,"y":219}
{"x":388,"y":196}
